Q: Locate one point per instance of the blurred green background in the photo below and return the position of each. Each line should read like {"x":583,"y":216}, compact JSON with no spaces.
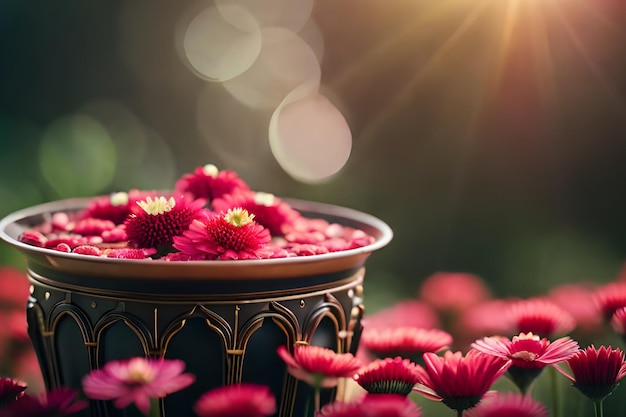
{"x":490,"y":135}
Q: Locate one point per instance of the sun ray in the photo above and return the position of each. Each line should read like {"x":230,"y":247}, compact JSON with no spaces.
{"x":600,"y":76}
{"x":407,"y":92}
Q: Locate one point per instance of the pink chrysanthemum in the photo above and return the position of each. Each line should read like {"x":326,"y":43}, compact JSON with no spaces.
{"x":114,"y":207}
{"x":610,"y":297}
{"x":153,"y":223}
{"x":269,"y":211}
{"x":529,"y":354}
{"x":230,"y":235}
{"x":508,"y":404}
{"x":10,"y":390}
{"x":58,"y":402}
{"x":539,"y":316}
{"x":239,"y":400}
{"x":208,"y":183}
{"x":460,"y":382}
{"x":407,"y":342}
{"x":618,"y":321}
{"x":597,"y":372}
{"x":453,"y":291}
{"x":388,"y":376}
{"x":319,"y":366}
{"x":136,"y":380}
{"x":373,"y":405}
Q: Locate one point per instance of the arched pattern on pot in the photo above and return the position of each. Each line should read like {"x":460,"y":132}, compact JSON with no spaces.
{"x":260,"y":337}
{"x":332,"y":309}
{"x":109,"y":320}
{"x":213,"y":321}
{"x":65,"y":343}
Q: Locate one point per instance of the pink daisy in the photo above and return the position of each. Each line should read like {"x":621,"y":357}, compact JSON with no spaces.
{"x":529,"y":354}
{"x":209,"y":183}
{"x":388,"y":376}
{"x":269,"y":211}
{"x":405,"y":313}
{"x":597,"y":372}
{"x":460,"y":382}
{"x":114,"y":207}
{"x":453,"y":291}
{"x":574,"y":298}
{"x":618,"y":321}
{"x":10,"y":390}
{"x":407,"y":342}
{"x":539,"y":316}
{"x":509,"y":404}
{"x":230,"y":235}
{"x":373,"y":405}
{"x":153,"y":223}
{"x":239,"y":400}
{"x":136,"y":380}
{"x":610,"y":297}
{"x":58,"y":402}
{"x":319,"y":366}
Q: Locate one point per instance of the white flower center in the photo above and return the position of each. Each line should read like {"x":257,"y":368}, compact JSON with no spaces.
{"x":119,"y":199}
{"x":211,"y":170}
{"x":157,"y":206}
{"x":264,"y":199}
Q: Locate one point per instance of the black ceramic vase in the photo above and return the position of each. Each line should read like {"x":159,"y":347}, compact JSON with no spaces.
{"x":225,"y":319}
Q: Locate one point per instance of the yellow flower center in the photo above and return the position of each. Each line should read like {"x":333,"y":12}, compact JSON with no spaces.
{"x":238,"y":216}
{"x":211,"y":170}
{"x":524,"y":355}
{"x":139,"y":372}
{"x":157,"y":206}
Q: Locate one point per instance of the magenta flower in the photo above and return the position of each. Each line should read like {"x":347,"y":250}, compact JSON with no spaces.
{"x":239,"y":400}
{"x":460,"y":382}
{"x":529,"y":354}
{"x":319,"y":366}
{"x":408,"y":342}
{"x":230,"y":235}
{"x":269,"y":211}
{"x":373,"y":405}
{"x":574,"y":298}
{"x":136,"y":380}
{"x":56,"y":403}
{"x":597,"y":372}
{"x":509,"y":404}
{"x":388,"y":376}
{"x":10,"y":390}
{"x":539,"y":316}
{"x":209,"y":183}
{"x":153,"y":223}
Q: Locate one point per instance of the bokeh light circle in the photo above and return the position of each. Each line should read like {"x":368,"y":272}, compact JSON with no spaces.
{"x":310,"y":138}
{"x":290,"y":14}
{"x":219,"y":49}
{"x":285,"y":62}
{"x":77,"y":156}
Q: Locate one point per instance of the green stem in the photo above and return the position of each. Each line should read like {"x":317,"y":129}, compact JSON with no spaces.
{"x":154,"y":408}
{"x":556,"y":395}
{"x":317,"y":399}
{"x":598,"y":408}
{"x":459,"y":413}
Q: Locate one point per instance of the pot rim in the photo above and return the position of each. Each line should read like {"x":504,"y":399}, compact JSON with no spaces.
{"x":12,"y":225}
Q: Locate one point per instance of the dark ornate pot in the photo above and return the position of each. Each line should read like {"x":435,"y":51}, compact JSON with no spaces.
{"x":225,"y":319}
